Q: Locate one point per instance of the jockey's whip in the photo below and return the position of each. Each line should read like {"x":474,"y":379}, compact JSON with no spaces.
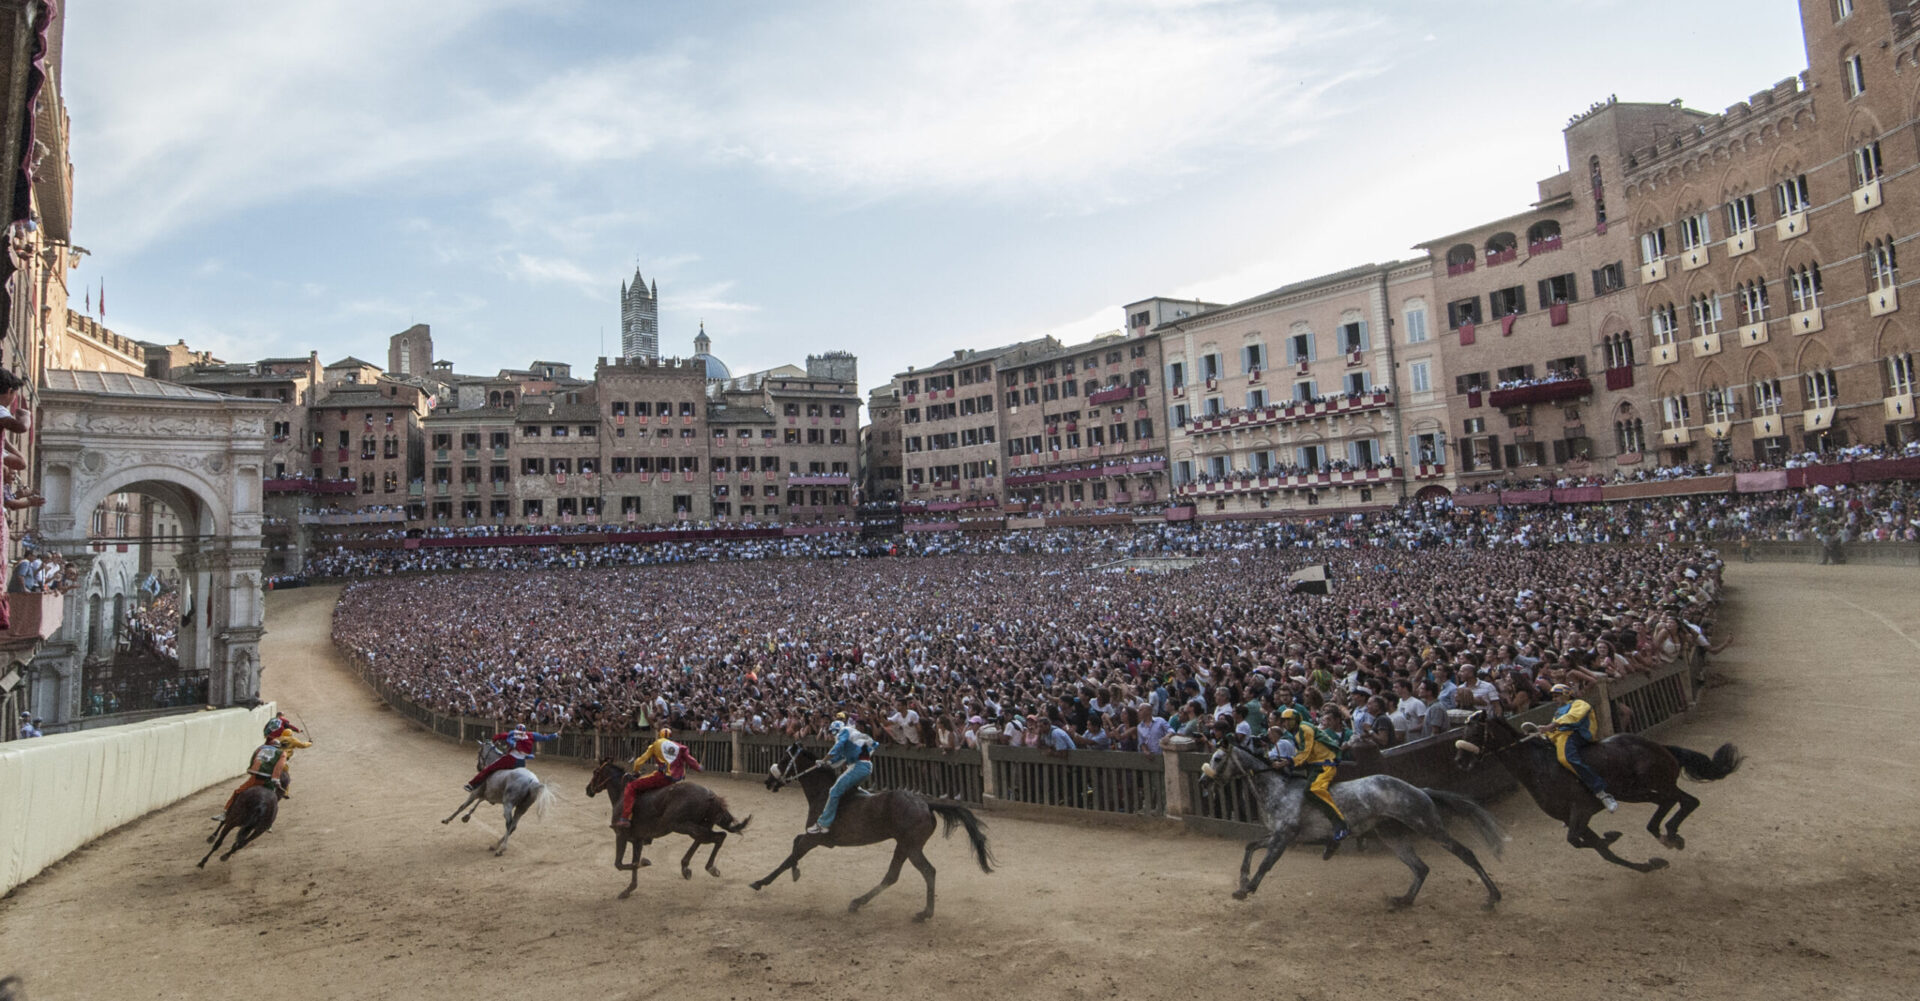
{"x":302,"y":720}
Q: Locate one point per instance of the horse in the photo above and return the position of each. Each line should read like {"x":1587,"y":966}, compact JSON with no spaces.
{"x":516,"y":790}
{"x":898,"y":815}
{"x":251,"y":815}
{"x":1386,"y":807}
{"x":1635,"y":769}
{"x":681,"y":808}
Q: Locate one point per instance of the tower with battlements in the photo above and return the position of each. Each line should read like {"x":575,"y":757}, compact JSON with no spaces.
{"x":640,"y":319}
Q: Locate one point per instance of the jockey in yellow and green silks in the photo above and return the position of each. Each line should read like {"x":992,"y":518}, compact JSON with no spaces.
{"x":1317,"y":752}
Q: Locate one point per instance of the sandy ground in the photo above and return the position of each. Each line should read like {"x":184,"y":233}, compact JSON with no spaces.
{"x":1797,"y":880}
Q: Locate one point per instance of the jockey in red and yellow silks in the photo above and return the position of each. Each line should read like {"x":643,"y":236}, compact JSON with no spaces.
{"x":1316,"y":753}
{"x":670,"y":760}
{"x":1571,"y":731}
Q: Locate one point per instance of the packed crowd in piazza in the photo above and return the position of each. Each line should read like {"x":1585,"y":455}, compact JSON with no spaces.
{"x":1021,"y":638}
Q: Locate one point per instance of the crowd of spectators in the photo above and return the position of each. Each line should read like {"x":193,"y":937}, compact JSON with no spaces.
{"x":1689,"y":470}
{"x":1281,"y":406}
{"x":1041,"y":649}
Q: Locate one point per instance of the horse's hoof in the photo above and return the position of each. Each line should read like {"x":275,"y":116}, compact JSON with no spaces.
{"x":686,"y":873}
{"x":1491,"y":905}
{"x":796,"y":875}
{"x":1656,"y":864}
{"x":643,"y":863}
{"x":1674,"y":841}
{"x":1239,"y":894}
{"x":854,"y":907}
{"x":628,"y":892}
{"x":711,"y":871}
{"x":203,"y":863}
{"x":449,"y":820}
{"x":466,"y":818}
{"x":921,"y":917}
{"x":1398,"y":903}
{"x":756,"y":884}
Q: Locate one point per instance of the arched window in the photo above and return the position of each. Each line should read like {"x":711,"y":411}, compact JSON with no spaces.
{"x":1501,"y":247}
{"x":1543,"y":237}
{"x":1460,"y":258}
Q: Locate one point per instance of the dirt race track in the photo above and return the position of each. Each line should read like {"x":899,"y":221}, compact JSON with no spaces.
{"x":1798,"y":879}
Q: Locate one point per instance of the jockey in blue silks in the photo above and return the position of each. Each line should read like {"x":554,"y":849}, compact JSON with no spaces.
{"x":852,"y":752}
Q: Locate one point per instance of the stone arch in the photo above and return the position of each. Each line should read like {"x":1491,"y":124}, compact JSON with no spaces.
{"x":200,"y":456}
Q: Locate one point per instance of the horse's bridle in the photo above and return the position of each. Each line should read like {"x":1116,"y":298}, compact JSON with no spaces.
{"x":785,"y":765}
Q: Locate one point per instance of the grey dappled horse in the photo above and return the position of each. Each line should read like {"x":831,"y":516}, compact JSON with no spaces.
{"x":1388,"y":808}
{"x":516,"y":790}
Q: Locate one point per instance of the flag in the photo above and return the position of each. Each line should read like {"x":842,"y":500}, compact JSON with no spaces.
{"x":89,"y":297}
{"x":103,"y":298}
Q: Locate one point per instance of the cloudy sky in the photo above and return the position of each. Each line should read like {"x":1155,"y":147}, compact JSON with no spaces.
{"x":894,"y":179}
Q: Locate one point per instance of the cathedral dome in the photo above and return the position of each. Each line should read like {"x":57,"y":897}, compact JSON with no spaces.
{"x":716,"y":369}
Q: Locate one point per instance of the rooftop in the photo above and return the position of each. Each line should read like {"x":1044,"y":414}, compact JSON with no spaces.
{"x":62,"y":380}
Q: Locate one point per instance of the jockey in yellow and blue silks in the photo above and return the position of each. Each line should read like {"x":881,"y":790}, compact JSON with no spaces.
{"x":852,"y":752}
{"x":1571,"y":731}
{"x":1318,"y":754}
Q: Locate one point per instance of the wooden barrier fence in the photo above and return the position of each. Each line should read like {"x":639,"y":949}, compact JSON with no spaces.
{"x":1112,"y":783}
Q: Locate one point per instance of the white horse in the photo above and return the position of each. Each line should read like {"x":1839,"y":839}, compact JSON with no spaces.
{"x":516,"y":790}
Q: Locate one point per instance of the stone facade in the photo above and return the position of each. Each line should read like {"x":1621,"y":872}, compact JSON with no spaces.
{"x":1293,"y":400}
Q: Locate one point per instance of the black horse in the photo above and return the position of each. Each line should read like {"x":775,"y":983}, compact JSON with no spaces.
{"x":251,"y":815}
{"x":898,"y":815}
{"x":1635,"y":769}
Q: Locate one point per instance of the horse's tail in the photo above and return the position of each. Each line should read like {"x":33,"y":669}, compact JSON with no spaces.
{"x":1701,"y":768}
{"x":722,"y":817}
{"x":953,"y":813}
{"x":541,"y":801}
{"x":1454,"y":804}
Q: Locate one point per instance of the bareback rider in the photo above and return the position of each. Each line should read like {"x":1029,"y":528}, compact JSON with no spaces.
{"x":1317,"y":751}
{"x":852,"y":752}
{"x":268,"y":766}
{"x":670,"y":760}
{"x":520,"y":743}
{"x":1571,"y":732}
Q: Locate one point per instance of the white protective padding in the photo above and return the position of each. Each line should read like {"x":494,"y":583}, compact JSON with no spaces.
{"x":61,"y":791}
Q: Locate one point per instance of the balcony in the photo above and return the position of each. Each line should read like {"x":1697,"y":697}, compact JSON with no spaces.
{"x":31,"y":618}
{"x":1290,"y":412}
{"x":1541,"y":392}
{"x":1741,"y":243}
{"x":1496,"y":257}
{"x":1880,"y":302}
{"x":1429,"y":470}
{"x":1116,"y":394}
{"x":1666,"y":354}
{"x":1866,"y":197}
{"x":1653,"y":271}
{"x":1695,"y":257}
{"x":1753,"y":334}
{"x":819,"y":479}
{"x":1546,"y":246}
{"x":1705,"y":344}
{"x":352,"y":517}
{"x":1790,"y":225}
{"x":1676,"y":436}
{"x":1808,"y":321}
{"x":1817,"y":418}
{"x":1457,"y":268}
{"x":1261,"y":482}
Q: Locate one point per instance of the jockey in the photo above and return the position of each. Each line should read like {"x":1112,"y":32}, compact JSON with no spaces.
{"x":520,"y":743}
{"x":1318,"y":752}
{"x":269,"y":765}
{"x":852,"y":751}
{"x":1571,"y":731}
{"x":278,"y":723}
{"x":670,"y":759}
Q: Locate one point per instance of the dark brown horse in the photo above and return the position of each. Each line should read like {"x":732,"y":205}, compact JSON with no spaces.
{"x":251,"y":815}
{"x":898,"y":815}
{"x":681,"y":808}
{"x":1635,"y":769}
